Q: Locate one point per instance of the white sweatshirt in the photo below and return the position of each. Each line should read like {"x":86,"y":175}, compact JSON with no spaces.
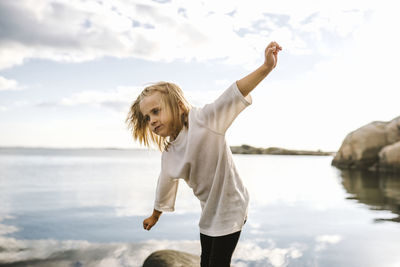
{"x":201,"y":156}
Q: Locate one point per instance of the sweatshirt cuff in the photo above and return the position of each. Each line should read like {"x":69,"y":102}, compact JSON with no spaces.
{"x":164,"y":208}
{"x":247,"y":100}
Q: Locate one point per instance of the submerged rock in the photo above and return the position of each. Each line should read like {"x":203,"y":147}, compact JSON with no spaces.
{"x":171,"y":258}
{"x":365,"y":148}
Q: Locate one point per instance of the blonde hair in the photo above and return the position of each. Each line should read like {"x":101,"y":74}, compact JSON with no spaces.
{"x":172,"y":99}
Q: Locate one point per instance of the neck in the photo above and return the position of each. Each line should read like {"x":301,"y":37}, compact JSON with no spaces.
{"x":175,"y":135}
{"x":184,"y":121}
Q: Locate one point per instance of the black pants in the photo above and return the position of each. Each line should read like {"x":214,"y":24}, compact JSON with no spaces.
{"x":217,"y":251}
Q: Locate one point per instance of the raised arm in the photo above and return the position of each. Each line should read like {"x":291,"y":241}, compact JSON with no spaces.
{"x":248,"y":83}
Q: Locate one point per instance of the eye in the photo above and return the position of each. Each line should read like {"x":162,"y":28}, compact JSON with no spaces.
{"x":146,"y":118}
{"x":156,"y":111}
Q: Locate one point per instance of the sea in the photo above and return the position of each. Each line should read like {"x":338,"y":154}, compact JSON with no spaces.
{"x":85,"y":207}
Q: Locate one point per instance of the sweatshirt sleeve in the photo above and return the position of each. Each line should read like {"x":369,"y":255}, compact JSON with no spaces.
{"x":220,"y":114}
{"x":166,"y":191}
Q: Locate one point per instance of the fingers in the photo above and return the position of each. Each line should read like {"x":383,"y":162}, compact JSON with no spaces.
{"x":147,"y":225}
{"x":271,"y":50}
{"x":274,"y":47}
{"x":271,"y":54}
{"x":275,"y":44}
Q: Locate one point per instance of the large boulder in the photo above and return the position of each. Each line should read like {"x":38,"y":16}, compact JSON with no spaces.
{"x":389,"y":157}
{"x":393,"y":130}
{"x":171,"y":258}
{"x":360,"y":149}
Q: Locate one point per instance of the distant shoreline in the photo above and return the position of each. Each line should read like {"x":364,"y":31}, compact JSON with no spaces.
{"x":243,"y":149}
{"x":246,"y":149}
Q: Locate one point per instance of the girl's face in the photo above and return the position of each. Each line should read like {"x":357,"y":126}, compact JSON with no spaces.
{"x":158,"y":118}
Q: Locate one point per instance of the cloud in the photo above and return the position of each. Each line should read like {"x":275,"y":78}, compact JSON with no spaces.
{"x":80,"y":252}
{"x":324,"y":240}
{"x":15,"y":105}
{"x":8,"y":85}
{"x":6,"y":229}
{"x":120,"y":98}
{"x":50,"y":252}
{"x":330,"y":59}
{"x":76,"y":31}
{"x":117,"y":99}
{"x":249,"y":251}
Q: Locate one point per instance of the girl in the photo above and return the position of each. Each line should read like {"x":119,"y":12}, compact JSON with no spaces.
{"x":192,"y":141}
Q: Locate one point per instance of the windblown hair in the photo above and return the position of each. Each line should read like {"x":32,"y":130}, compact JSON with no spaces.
{"x":172,"y":98}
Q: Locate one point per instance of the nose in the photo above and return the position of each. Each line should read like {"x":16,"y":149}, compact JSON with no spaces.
{"x":153,"y":120}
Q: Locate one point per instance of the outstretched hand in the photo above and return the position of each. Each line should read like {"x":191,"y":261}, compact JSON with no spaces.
{"x":248,"y":83}
{"x":271,"y":55}
{"x":149,"y":222}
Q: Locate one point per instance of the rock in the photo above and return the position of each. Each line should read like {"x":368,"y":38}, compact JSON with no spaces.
{"x":171,"y":258}
{"x":393,"y":131}
{"x":389,"y":157}
{"x":360,"y":149}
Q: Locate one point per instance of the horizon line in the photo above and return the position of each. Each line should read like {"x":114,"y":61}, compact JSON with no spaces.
{"x":140,"y":148}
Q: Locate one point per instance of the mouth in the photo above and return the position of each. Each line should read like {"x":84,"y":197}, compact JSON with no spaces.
{"x":157,"y":128}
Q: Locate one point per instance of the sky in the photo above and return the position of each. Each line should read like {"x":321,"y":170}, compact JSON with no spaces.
{"x":70,"y":69}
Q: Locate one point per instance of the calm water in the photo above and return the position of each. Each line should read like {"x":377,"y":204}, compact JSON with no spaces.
{"x":85,"y":208}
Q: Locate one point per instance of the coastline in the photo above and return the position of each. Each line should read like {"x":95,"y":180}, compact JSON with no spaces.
{"x":246,"y":149}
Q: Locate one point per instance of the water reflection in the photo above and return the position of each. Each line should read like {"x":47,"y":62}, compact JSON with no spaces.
{"x":377,"y":190}
{"x":81,"y":209}
{"x":47,"y":253}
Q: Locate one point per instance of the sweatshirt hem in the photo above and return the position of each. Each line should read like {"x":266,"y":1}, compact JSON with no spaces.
{"x":222,"y":232}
